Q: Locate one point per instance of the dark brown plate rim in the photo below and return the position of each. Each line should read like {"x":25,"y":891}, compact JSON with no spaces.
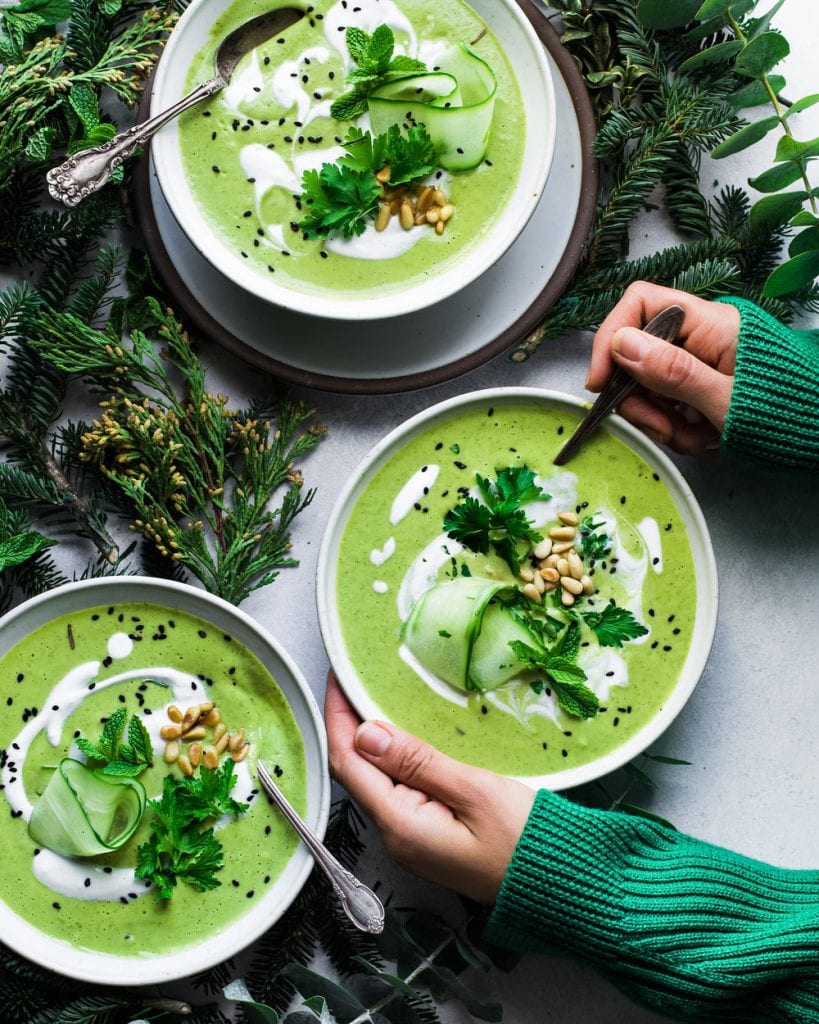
{"x":200,"y":319}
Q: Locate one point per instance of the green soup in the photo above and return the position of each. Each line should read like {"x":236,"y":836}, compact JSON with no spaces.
{"x":393,"y":547}
{"x":56,"y":685}
{"x":245,"y":150}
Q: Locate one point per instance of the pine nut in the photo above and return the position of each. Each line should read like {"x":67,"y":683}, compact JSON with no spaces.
{"x":384,"y":174}
{"x":174,"y":713}
{"x":567,"y":599}
{"x":425,"y":199}
{"x":563,"y":547}
{"x":530,"y":591}
{"x":526,"y":575}
{"x":447,"y":211}
{"x":222,"y":742}
{"x":236,"y":740}
{"x":571,"y":584}
{"x":433,"y":215}
{"x":210,"y":756}
{"x":420,"y":218}
{"x":575,"y":564}
{"x":550,"y":587}
{"x":191,"y":716}
{"x":195,"y":754}
{"x":170,"y":732}
{"x":241,"y":753}
{"x":543,"y":549}
{"x":441,"y":197}
{"x":439,"y":227}
{"x":563,"y":566}
{"x":219,"y":731}
{"x":407,"y":215}
{"x":562,"y":532}
{"x":205,"y":709}
{"x":588,"y":585}
{"x":198,"y":732}
{"x":171,"y":752}
{"x":568,"y":518}
{"x":540,"y":584}
{"x":383,"y":217}
{"x":551,"y":561}
{"x":185,"y":764}
{"x":550,"y":575}
{"x":213,"y":717}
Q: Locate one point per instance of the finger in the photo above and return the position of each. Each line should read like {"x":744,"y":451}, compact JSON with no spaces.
{"x":415,"y":763}
{"x":667,"y":427}
{"x":674,"y":372}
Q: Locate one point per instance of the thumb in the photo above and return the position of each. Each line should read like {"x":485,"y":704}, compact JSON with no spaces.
{"x":672,"y":371}
{"x":415,"y":763}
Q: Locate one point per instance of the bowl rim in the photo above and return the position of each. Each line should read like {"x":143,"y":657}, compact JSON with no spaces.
{"x":707,"y":595}
{"x":98,"y":967}
{"x":481,"y":253}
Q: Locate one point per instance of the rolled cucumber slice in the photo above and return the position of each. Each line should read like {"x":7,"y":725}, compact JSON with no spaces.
{"x":456,"y":105}
{"x":84,"y":813}
{"x":444,"y":624}
{"x":493,"y":661}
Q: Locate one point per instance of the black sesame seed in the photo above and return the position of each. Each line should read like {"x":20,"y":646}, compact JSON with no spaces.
{"x":215,"y":169}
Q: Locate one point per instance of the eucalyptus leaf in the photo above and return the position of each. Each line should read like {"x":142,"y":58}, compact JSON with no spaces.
{"x":776,"y":178}
{"x":774,"y":210}
{"x":745,"y":137}
{"x":713,"y":9}
{"x":805,"y":241}
{"x":761,"y":54}
{"x":754,"y":94}
{"x":803,"y":104}
{"x":795,"y":274}
{"x":344,"y":1005}
{"x":661,"y":14}
{"x":718,"y":54}
{"x":804,"y":219}
{"x":713,"y":25}
{"x":638,"y":775}
{"x":763,"y":23}
{"x":445,"y":984}
{"x":254,"y":1013}
{"x":789,"y":148}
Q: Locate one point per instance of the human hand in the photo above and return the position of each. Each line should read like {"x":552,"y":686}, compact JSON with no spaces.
{"x":686,"y":388}
{"x":445,"y":821}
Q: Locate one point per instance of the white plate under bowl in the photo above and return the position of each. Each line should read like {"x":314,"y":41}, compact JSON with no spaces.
{"x":216,"y":943}
{"x":704,"y":565}
{"x":519,"y":40}
{"x":421,"y":348}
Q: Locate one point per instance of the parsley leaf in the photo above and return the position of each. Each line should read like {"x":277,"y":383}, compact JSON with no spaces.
{"x":500,"y":521}
{"x":178,"y":848}
{"x":338,"y":199}
{"x":566,"y":678}
{"x":593,"y":545}
{"x":376,"y":64}
{"x":614,"y":625}
{"x":410,"y":156}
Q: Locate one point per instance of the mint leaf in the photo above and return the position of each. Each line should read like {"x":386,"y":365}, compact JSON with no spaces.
{"x":380,"y":49}
{"x":376,"y":65}
{"x":358,"y":43}
{"x":402,"y":65}
{"x":111,"y":733}
{"x":140,"y":740}
{"x":567,"y":679}
{"x":613,"y":626}
{"x":351,"y":105}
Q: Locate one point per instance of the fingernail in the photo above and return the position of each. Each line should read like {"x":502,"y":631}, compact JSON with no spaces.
{"x":373,"y":739}
{"x":631,"y":344}
{"x":655,"y":436}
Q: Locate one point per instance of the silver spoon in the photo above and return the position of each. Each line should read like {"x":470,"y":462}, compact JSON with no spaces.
{"x":88,"y":170}
{"x":666,"y":326}
{"x":359,"y":903}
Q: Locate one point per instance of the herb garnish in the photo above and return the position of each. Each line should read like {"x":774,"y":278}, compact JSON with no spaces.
{"x":376,"y":65}
{"x":179,"y":849}
{"x":500,"y":521}
{"x":566,"y":678}
{"x":614,"y":625}
{"x":343,"y":196}
{"x":124,"y":759}
{"x":593,"y":545}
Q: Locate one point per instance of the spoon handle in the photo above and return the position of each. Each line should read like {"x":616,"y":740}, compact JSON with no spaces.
{"x":359,"y":903}
{"x":88,"y":170}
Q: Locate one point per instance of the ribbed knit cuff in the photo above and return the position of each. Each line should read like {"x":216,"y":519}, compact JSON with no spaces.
{"x":695,"y":931}
{"x":773,"y":421}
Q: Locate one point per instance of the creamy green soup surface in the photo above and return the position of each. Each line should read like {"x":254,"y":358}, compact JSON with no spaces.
{"x":245,"y":150}
{"x":62,"y":681}
{"x":394,"y":547}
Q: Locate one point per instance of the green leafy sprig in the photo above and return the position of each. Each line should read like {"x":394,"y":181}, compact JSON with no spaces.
{"x":114,"y":757}
{"x":374,"y":55}
{"x":565,"y":677}
{"x":614,"y":626}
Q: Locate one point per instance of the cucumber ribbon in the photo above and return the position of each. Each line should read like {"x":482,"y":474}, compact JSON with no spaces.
{"x":455,"y":105}
{"x":83,"y":813}
{"x":456,"y":631}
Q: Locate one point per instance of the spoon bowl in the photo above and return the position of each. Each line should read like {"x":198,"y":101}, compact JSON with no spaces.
{"x":87,"y":171}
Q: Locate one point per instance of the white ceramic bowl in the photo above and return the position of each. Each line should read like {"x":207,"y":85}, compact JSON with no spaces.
{"x":215,"y":943}
{"x":528,"y":59}
{"x":704,"y":567}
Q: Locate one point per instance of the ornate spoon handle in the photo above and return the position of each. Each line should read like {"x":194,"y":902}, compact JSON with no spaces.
{"x":360,"y":904}
{"x":88,"y":170}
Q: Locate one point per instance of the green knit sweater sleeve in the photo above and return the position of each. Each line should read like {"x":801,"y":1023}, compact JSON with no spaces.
{"x":689,"y":929}
{"x":773,"y":420}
